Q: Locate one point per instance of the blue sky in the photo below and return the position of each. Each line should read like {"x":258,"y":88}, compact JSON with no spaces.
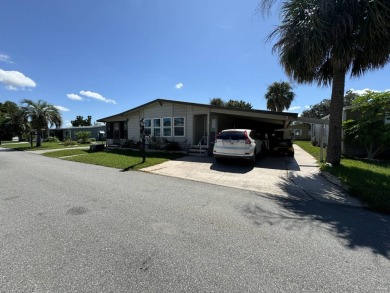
{"x":99,"y":58}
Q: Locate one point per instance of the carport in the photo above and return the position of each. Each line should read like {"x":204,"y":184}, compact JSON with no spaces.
{"x":263,"y":122}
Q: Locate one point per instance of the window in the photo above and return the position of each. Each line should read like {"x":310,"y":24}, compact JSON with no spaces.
{"x":167,"y":126}
{"x":297,"y":132}
{"x":156,"y":127}
{"x":148,"y":127}
{"x":178,"y":126}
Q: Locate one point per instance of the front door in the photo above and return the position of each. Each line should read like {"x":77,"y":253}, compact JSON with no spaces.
{"x":116,"y":131}
{"x":200,"y":129}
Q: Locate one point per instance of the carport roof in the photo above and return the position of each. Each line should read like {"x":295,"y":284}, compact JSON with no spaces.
{"x":280,"y":116}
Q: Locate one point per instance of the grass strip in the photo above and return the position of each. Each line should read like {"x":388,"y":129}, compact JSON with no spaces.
{"x":368,"y":180}
{"x":121,"y":159}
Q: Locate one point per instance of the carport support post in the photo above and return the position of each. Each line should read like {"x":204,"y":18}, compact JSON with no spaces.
{"x":322,"y":143}
{"x":142,"y":130}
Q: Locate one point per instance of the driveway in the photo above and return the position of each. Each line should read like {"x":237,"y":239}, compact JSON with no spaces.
{"x":271,"y":174}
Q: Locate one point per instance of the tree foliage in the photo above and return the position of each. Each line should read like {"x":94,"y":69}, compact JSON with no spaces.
{"x":231,"y":103}
{"x":217,"y":102}
{"x":321,"y":41}
{"x":319,"y":110}
{"x":238,"y":104}
{"x":11,"y":122}
{"x":80,"y":121}
{"x":40,"y":114}
{"x":322,"y":109}
{"x":371,"y":129}
{"x":279,"y":96}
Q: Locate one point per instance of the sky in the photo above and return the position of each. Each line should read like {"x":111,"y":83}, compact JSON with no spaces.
{"x":100,"y":58}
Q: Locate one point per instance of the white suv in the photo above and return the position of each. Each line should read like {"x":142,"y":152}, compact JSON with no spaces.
{"x":237,"y":143}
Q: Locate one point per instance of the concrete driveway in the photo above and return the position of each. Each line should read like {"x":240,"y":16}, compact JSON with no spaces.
{"x":275,"y":175}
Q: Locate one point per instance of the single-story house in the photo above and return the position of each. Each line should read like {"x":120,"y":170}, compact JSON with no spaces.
{"x":301,"y":131}
{"x":190,"y":123}
{"x":98,"y":132}
{"x":347,"y":149}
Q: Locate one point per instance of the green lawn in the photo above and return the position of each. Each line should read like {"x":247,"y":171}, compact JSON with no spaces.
{"x":369,"y":180}
{"x":121,"y":159}
{"x":45,"y":146}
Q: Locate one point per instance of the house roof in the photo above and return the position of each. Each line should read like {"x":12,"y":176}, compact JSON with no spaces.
{"x":82,"y":127}
{"x":218,"y":109}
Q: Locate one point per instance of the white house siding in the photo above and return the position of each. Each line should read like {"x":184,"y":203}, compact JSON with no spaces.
{"x":163,"y":111}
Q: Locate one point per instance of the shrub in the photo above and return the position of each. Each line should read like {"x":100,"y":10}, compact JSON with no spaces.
{"x":53,"y":139}
{"x":155,"y":142}
{"x":83,"y":136}
{"x":69,"y":142}
{"x":172,"y":146}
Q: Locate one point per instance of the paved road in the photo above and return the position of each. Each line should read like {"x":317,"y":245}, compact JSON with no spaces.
{"x":69,"y":227}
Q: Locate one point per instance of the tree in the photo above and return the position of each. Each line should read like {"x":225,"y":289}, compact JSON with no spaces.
{"x":238,"y":104}
{"x":231,"y":103}
{"x":321,"y":40}
{"x":349,"y":97}
{"x":370,"y":129}
{"x":279,"y":96}
{"x":11,"y":123}
{"x":319,"y":110}
{"x":217,"y":102}
{"x":40,"y":114}
{"x":322,"y":109}
{"x":80,"y":121}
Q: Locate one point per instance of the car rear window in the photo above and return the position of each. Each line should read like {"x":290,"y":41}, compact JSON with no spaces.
{"x":234,"y":135}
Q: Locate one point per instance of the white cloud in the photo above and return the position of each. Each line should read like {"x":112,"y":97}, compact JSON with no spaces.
{"x":294,"y":108}
{"x":362,"y":91}
{"x":307,"y":107}
{"x":97,"y":96}
{"x":15,"y":80}
{"x":179,"y":85}
{"x":62,"y":108}
{"x":5,"y":58}
{"x":74,"y":97}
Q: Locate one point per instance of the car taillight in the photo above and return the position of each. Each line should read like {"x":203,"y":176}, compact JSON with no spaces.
{"x":247,"y":140}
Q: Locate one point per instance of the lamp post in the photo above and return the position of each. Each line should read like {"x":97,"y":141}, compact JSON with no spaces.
{"x":142,"y":131}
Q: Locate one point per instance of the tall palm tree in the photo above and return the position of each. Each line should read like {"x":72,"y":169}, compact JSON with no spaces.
{"x":321,"y":41}
{"x":279,"y":96}
{"x":40,"y":114}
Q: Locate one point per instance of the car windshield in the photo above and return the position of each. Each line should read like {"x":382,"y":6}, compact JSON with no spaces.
{"x":234,"y":135}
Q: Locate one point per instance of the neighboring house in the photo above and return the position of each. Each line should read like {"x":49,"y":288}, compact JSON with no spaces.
{"x":189,"y":123}
{"x":98,"y":132}
{"x":346,"y":149}
{"x":301,"y":131}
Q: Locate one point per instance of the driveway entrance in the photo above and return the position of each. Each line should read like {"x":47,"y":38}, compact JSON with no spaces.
{"x":274,"y":175}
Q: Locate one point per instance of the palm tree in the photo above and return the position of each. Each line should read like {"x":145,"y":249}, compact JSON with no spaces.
{"x":279,"y":96}
{"x":321,"y":41}
{"x":40,"y":114}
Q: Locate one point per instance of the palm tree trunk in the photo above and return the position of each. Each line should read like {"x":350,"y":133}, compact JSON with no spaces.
{"x":333,"y":153}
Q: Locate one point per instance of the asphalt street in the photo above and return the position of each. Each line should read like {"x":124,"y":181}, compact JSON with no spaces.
{"x":71,"y":227}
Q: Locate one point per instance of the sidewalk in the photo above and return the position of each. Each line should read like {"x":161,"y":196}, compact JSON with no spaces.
{"x":310,"y":179}
{"x":40,"y":152}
